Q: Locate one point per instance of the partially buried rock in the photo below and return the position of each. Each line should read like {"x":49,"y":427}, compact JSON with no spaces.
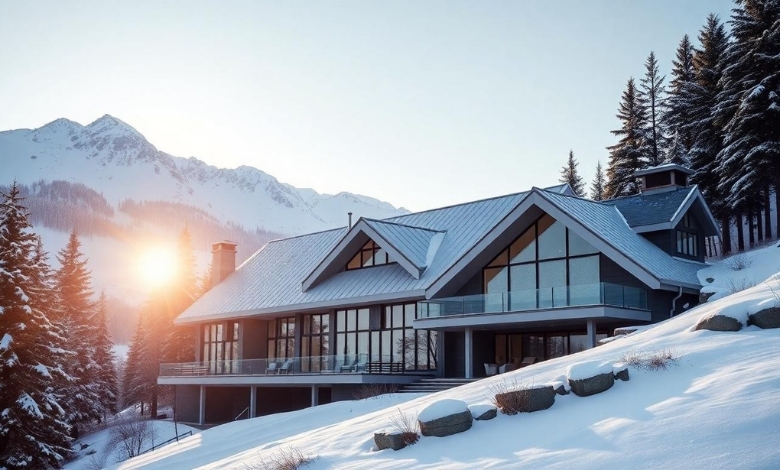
{"x":444,"y":418}
{"x":590,"y":378}
{"x":526,"y":400}
{"x":719,"y":323}
{"x":389,"y":440}
{"x":483,"y":412}
{"x":766,"y":319}
{"x":622,"y":374}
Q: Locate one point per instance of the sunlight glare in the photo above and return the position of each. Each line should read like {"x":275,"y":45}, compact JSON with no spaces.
{"x":157,"y":266}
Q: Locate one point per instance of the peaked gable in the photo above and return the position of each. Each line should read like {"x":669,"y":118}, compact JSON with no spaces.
{"x":409,"y":246}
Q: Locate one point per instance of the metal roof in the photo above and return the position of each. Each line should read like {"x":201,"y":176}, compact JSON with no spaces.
{"x":413,"y":242}
{"x":650,"y":209}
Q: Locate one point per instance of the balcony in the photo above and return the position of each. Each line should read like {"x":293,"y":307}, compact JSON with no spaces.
{"x":585,"y":295}
{"x":309,"y":365}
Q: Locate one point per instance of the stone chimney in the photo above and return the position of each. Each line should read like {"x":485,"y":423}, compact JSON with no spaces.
{"x":223,"y":261}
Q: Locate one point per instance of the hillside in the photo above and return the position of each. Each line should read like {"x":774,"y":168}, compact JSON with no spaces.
{"x":716,"y":407}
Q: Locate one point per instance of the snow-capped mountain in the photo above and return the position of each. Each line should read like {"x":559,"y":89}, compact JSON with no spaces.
{"x":115,"y":160}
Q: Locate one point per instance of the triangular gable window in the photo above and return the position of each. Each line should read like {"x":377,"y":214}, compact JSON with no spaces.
{"x":369,"y":255}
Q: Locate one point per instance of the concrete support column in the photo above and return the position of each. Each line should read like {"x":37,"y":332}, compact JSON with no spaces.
{"x":253,"y":402}
{"x":591,"y":334}
{"x":469,"y":354}
{"x":202,"y":406}
{"x":315,"y":395}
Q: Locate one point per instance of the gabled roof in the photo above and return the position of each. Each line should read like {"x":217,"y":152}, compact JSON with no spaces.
{"x":663,"y":210}
{"x":408,"y":245}
{"x":438,"y":244}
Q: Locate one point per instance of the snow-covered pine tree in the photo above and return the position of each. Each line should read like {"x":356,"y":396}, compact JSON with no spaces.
{"x":750,"y":106}
{"x":570,"y":175}
{"x":651,"y":96}
{"x":135,"y":389}
{"x":597,"y":186}
{"x":701,"y":94}
{"x":628,"y":155}
{"x":82,"y":401}
{"x":33,"y":431}
{"x":105,"y":376}
{"x":677,"y":116}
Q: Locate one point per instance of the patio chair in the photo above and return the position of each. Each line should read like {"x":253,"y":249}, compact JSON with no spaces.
{"x":348,"y":364}
{"x":286,"y":367}
{"x":528,"y":360}
{"x":491,"y":369}
{"x":360,"y":365}
{"x":272,"y":366}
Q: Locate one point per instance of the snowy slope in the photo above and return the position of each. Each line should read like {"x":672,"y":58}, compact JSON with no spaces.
{"x":111,"y":157}
{"x":717,"y":408}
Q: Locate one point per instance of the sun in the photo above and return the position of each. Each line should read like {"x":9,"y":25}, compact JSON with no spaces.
{"x":157,"y":266}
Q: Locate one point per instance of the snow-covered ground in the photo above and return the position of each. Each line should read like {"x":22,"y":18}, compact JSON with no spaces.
{"x":715,"y":408}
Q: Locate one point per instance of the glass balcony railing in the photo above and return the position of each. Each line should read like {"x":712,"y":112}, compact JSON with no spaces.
{"x":602,"y":293}
{"x":339,"y":364}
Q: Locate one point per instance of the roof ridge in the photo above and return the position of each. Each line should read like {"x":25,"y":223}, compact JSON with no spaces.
{"x":381,"y":221}
{"x":304,"y":235}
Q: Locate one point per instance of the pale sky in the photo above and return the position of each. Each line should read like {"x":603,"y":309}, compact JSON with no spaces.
{"x":421,"y":104}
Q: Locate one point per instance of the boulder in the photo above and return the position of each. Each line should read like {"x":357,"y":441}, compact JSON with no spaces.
{"x":561,"y":390}
{"x":705,"y":296}
{"x":389,"y":440}
{"x":622,"y":374}
{"x":766,"y":319}
{"x":719,"y":323}
{"x":483,"y":412}
{"x":447,"y":425}
{"x":526,"y":400}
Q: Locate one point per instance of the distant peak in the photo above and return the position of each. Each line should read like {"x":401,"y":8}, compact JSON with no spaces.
{"x":62,"y":122}
{"x":108,"y":122}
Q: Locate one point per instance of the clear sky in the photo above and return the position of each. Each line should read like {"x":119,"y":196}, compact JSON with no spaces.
{"x":421,"y":104}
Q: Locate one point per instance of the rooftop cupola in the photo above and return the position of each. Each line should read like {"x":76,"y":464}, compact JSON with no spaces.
{"x":667,"y":177}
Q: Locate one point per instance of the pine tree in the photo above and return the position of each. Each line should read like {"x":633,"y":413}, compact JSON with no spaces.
{"x":597,"y":186}
{"x":82,"y":401}
{"x":135,"y":387}
{"x":105,"y":376}
{"x":749,"y":105}
{"x":570,"y":176}
{"x":677,"y":116}
{"x":651,"y":97}
{"x":628,"y":155}
{"x":33,"y":433}
{"x":179,"y":344}
{"x":709,"y":61}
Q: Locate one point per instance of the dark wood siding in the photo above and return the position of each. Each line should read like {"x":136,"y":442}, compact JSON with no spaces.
{"x":454,"y":357}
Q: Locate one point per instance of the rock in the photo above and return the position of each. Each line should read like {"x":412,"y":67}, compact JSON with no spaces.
{"x":625,"y":330}
{"x":389,"y":440}
{"x":705,"y":296}
{"x":622,"y":375}
{"x":526,"y":400}
{"x":448,"y":425}
{"x":766,"y":319}
{"x":593,"y":385}
{"x":483,"y":412}
{"x":719,"y":323}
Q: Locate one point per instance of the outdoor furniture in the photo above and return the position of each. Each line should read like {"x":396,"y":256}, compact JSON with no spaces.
{"x":285,"y":369}
{"x":528,"y":360}
{"x":271,"y":368}
{"x":348,"y":364}
{"x":360,"y":365}
{"x":491,"y":369}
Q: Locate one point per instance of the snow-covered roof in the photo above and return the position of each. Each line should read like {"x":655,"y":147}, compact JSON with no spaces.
{"x":306,"y":272}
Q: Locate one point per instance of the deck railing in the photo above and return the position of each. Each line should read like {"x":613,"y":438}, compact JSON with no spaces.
{"x":330,"y":364}
{"x":602,"y":293}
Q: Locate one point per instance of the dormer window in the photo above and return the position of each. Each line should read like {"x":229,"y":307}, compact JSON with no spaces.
{"x":687,"y":237}
{"x":370,"y":255}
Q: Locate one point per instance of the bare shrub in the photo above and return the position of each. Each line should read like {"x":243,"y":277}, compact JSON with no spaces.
{"x":132,"y":434}
{"x":653,"y":360}
{"x":374,"y":390}
{"x":775,"y":292}
{"x":509,"y":398}
{"x":289,"y":458}
{"x":738,"y":285}
{"x":407,"y":425}
{"x":739,"y":262}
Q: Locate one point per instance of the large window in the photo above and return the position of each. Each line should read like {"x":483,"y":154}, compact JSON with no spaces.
{"x":386,"y":338}
{"x":220,"y":347}
{"x":547,"y":266}
{"x":687,"y":237}
{"x":370,"y":255}
{"x":281,"y":338}
{"x":315,"y":343}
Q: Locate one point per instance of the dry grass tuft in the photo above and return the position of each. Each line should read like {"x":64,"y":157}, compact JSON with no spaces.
{"x":407,"y":425}
{"x":509,"y":398}
{"x":654,"y":360}
{"x":374,"y":390}
{"x":289,"y":458}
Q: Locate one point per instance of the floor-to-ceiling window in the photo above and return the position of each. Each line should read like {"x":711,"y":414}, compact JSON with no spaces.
{"x":220,"y":347}
{"x":547,"y":266}
{"x":315,"y":342}
{"x":512,"y":348}
{"x":386,"y":337}
{"x":281,"y":338}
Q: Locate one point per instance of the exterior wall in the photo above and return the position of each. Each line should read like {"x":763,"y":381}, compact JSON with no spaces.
{"x":187,"y":403}
{"x":254,"y":338}
{"x":281,"y":399}
{"x":484,"y":351}
{"x":472,"y":287}
{"x":611,"y":272}
{"x":223,"y":404}
{"x":663,"y":239}
{"x":454,"y":354}
{"x":343,"y":392}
